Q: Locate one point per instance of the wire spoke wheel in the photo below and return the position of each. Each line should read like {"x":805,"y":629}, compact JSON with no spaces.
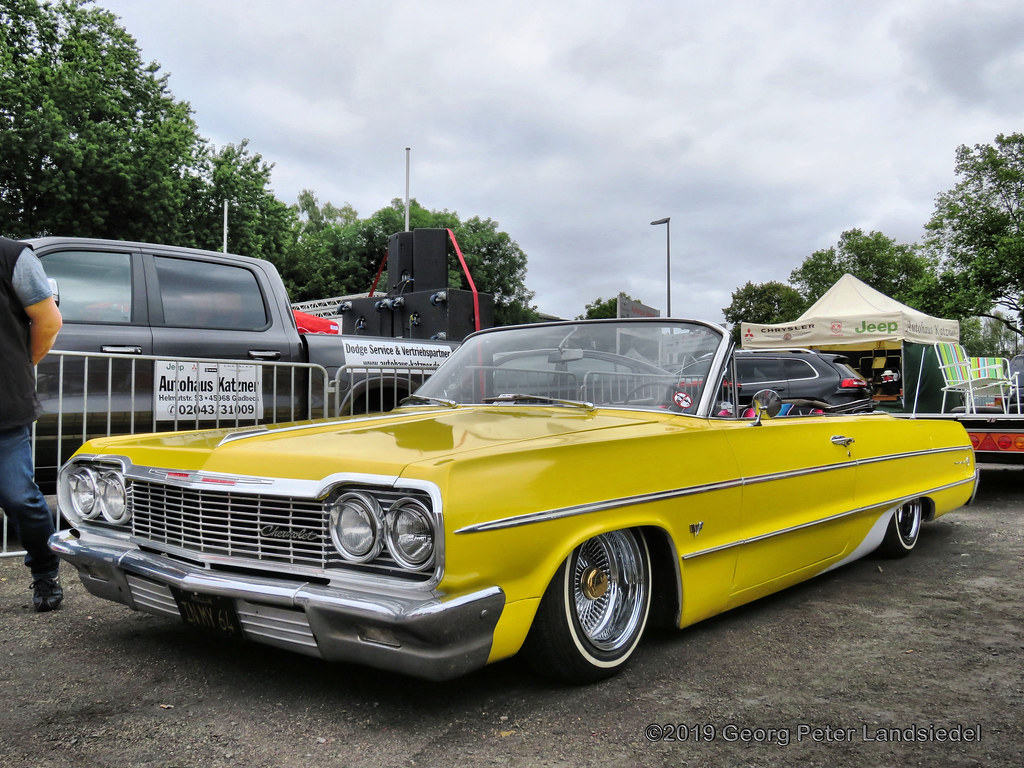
{"x":610,"y":591}
{"x":904,"y":528}
{"x":594,"y":611}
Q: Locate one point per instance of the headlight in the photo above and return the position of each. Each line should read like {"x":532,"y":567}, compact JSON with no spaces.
{"x":97,"y":492}
{"x":82,"y":485}
{"x":410,"y":534}
{"x":113,"y":498}
{"x":356,"y":527}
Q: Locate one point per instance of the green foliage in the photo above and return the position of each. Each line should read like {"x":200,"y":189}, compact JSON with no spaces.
{"x":990,"y":336}
{"x":771,"y":302}
{"x":976,"y":235}
{"x":600,"y":308}
{"x":895,"y":269}
{"x":258,"y":223}
{"x":497,"y":265}
{"x":320,"y":261}
{"x":92,"y":142}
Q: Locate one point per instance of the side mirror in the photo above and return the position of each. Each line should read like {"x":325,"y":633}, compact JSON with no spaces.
{"x":767,"y":404}
{"x":54,"y":290}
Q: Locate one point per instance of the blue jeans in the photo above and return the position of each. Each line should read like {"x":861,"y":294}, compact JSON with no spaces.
{"x":24,"y":504}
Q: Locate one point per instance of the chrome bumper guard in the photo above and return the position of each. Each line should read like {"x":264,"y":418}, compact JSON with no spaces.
{"x":414,"y":633}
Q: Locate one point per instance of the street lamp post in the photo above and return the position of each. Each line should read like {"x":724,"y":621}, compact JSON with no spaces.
{"x":668,"y":263}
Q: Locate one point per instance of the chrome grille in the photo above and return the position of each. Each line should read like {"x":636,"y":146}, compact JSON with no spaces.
{"x":260,"y":528}
{"x":250,"y":526}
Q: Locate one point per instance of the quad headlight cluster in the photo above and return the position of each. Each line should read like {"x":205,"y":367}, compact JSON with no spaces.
{"x":361,"y":530}
{"x":98,"y":493}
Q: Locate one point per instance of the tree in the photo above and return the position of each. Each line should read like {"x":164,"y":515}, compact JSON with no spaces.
{"x":895,"y":269}
{"x":259,"y":224}
{"x":92,"y":143}
{"x":976,"y":235}
{"x":603,"y":308}
{"x":497,"y":265}
{"x":328,"y":255}
{"x":994,"y":338}
{"x":771,"y":302}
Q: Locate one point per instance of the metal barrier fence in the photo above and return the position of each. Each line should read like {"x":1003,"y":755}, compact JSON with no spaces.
{"x":362,"y":389}
{"x":86,"y":395}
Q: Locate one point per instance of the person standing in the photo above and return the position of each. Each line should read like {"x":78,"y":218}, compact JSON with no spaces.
{"x":29,"y":322}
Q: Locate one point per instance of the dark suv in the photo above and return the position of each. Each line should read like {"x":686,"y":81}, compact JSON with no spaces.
{"x":800,"y":374}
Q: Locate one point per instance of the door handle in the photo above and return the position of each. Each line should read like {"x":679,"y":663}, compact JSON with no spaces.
{"x":121,"y":350}
{"x":841,"y":440}
{"x":264,"y":354}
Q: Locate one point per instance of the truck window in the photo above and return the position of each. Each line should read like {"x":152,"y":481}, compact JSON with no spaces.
{"x":95,"y":286}
{"x":209,"y":295}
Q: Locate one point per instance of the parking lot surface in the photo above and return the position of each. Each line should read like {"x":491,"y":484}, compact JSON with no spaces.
{"x":917,"y":661}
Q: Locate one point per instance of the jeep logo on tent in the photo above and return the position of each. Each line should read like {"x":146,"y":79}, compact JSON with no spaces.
{"x":866,"y":327}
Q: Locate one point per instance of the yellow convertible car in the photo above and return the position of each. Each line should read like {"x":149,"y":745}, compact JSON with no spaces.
{"x":553,"y":489}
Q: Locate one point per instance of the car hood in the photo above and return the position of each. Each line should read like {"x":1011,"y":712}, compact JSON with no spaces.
{"x":383,"y":444}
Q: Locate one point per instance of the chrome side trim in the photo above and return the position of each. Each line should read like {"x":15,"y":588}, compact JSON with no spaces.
{"x":889,"y":505}
{"x":599,"y":506}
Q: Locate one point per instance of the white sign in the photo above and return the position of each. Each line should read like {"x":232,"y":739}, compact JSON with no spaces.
{"x":187,"y":391}
{"x":394,"y":354}
{"x":629,"y":308}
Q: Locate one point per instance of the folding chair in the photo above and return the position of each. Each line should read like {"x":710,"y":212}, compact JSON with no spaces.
{"x":972,"y":375}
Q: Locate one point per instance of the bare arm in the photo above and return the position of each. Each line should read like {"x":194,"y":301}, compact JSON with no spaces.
{"x":46,"y":321}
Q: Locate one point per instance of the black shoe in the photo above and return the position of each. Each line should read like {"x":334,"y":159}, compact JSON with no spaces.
{"x":46,"y":594}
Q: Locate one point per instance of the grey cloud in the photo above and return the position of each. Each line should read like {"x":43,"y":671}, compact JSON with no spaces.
{"x":971,"y":53}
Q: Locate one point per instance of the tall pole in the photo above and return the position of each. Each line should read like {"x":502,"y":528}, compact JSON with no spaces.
{"x":225,"y":247}
{"x":407,"y":151}
{"x":668,"y":262}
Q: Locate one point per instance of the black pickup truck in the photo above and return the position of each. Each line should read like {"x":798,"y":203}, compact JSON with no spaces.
{"x":136,"y":310}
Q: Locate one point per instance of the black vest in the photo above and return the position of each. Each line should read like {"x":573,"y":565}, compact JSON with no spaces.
{"x":18,"y":404}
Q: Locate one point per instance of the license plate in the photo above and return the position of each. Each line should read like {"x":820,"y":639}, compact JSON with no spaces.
{"x":213,"y":613}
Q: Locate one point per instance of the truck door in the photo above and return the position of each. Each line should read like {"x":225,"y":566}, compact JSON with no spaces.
{"x":102,"y":300}
{"x":209,"y":309}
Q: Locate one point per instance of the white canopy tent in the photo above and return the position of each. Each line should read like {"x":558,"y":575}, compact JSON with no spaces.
{"x":878,"y":334}
{"x":852,"y":313}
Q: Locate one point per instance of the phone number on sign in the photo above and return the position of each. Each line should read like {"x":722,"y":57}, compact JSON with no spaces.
{"x":224,"y":409}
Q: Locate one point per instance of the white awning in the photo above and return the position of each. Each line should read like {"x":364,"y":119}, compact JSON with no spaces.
{"x":850,"y":313}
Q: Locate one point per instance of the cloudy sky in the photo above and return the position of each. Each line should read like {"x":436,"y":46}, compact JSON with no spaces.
{"x":763,"y":129}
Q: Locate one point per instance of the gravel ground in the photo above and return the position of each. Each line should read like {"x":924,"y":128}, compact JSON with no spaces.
{"x":929,"y":650}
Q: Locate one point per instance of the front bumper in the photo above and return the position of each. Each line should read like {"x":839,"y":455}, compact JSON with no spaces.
{"x":414,"y":633}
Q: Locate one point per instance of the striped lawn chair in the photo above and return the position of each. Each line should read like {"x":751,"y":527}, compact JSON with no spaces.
{"x":972,"y":375}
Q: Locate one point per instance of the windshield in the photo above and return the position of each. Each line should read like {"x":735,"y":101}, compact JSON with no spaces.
{"x":624,"y":363}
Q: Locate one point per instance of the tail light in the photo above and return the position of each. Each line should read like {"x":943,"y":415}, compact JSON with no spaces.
{"x":997,"y":441}
{"x":853,"y":384}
